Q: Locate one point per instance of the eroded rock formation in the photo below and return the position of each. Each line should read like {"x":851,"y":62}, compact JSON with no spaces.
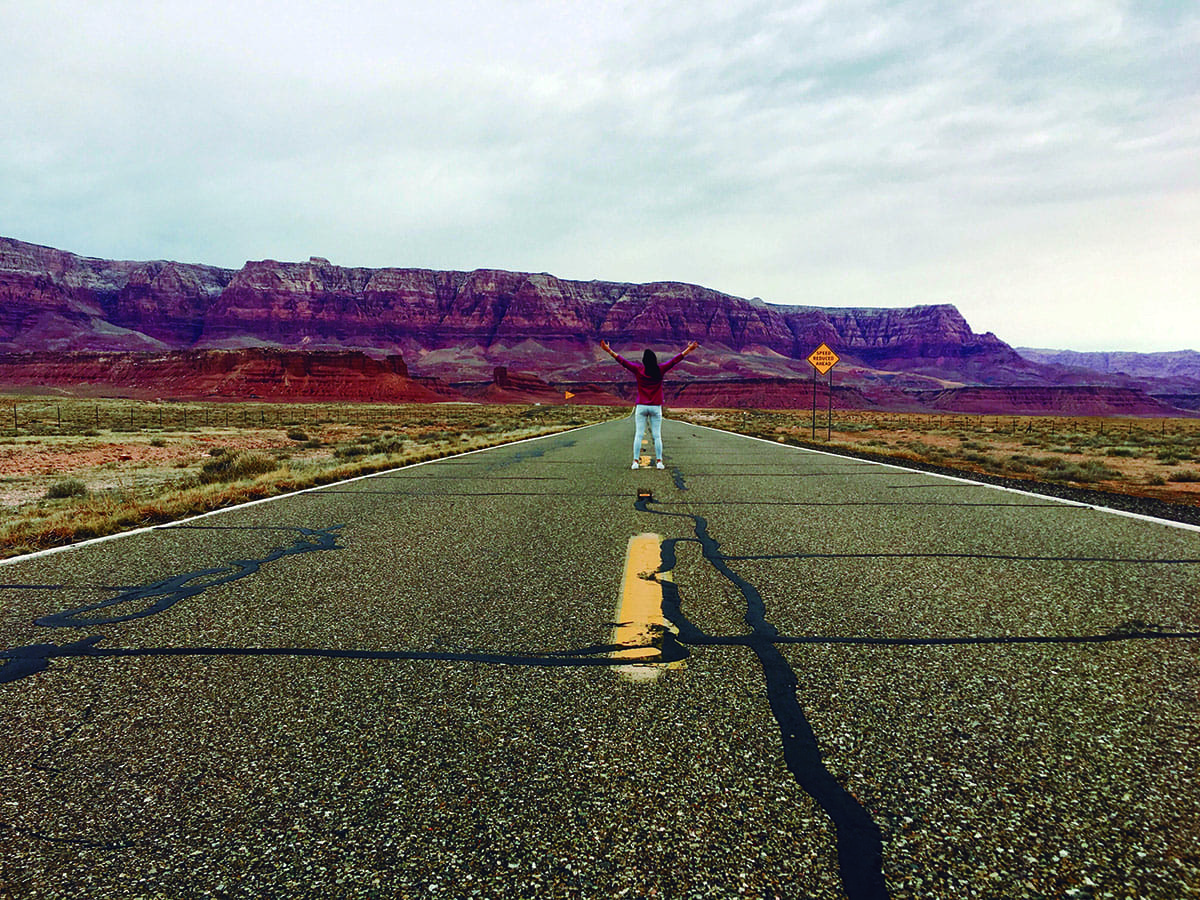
{"x":459,"y":327}
{"x":51,"y":299}
{"x":1062,"y":401}
{"x":261,"y":373}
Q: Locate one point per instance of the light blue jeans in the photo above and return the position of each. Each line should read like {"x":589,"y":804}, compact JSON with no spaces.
{"x":643,"y":414}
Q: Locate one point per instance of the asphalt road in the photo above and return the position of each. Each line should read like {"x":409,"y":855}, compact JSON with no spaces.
{"x":884,"y":683}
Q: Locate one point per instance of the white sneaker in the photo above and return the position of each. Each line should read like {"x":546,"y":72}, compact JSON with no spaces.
{"x":659,"y":465}
{"x":635,"y":464}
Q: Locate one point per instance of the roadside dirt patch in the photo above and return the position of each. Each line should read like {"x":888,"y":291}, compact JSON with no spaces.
{"x":28,"y":466}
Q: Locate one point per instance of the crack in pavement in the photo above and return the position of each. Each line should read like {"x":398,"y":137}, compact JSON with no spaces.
{"x":1012,"y":557}
{"x":859,"y":841}
{"x":170,"y":591}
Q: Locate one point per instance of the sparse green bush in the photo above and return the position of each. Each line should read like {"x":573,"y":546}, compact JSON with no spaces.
{"x":1122,"y":451}
{"x":350,"y":452}
{"x":1184,"y":475}
{"x":1040,"y":462}
{"x":68,"y":487}
{"x":1087,"y":471}
{"x":297,"y":435}
{"x":158,"y":442}
{"x":388,"y":444}
{"x":982,"y":459}
{"x":236,"y":466}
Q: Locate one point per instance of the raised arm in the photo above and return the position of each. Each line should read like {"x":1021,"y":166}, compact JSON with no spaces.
{"x":618,"y":357}
{"x":678,"y":357}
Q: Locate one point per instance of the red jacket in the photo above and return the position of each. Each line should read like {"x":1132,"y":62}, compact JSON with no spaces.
{"x":649,"y":389}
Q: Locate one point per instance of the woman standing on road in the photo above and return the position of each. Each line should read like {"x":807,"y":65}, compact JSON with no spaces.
{"x":649,"y":377}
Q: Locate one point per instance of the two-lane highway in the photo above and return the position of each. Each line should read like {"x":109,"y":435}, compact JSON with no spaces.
{"x":880,"y":683}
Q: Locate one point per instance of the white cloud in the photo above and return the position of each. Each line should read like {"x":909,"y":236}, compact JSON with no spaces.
{"x":990,"y":154}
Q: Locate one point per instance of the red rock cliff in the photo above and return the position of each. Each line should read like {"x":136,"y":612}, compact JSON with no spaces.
{"x":226,"y":375}
{"x":50,"y":299}
{"x":460,"y":325}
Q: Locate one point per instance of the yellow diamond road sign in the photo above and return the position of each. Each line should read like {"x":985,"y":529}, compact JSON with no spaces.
{"x":823,"y":359}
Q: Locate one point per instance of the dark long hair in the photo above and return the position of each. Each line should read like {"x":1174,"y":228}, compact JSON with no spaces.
{"x":650,"y":364}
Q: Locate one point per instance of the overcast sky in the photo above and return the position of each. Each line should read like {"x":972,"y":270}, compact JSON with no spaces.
{"x":1036,"y":164}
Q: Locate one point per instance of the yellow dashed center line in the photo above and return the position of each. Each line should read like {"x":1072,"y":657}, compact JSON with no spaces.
{"x":639,"y":614}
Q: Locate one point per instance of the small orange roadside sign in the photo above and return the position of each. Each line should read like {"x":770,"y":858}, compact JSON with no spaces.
{"x":823,"y":359}
{"x":567,"y":395}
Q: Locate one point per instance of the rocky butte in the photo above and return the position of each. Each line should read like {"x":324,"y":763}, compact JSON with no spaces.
{"x":506,"y":335}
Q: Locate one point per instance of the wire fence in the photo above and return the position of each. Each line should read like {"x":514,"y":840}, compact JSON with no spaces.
{"x":77,"y":417}
{"x":55,"y":416}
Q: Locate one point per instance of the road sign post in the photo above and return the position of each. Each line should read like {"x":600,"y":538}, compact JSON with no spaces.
{"x":823,"y":359}
{"x":829,"y":419}
{"x":814,"y":417}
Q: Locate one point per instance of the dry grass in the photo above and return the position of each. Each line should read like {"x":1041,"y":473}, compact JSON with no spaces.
{"x":73,"y":470}
{"x":61,"y":483}
{"x":1143,"y":457}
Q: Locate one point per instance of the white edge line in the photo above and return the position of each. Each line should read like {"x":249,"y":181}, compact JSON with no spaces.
{"x":216,"y":512}
{"x":998,"y":487}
